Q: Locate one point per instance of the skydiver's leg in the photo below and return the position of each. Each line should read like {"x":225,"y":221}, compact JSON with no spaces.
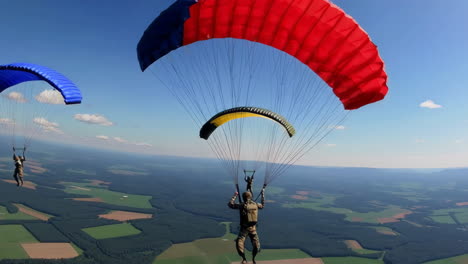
{"x":255,"y":243}
{"x":15,"y":176}
{"x":250,"y":190}
{"x":240,"y":244}
{"x":21,"y":176}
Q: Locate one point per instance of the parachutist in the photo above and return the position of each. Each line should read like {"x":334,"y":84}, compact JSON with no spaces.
{"x":249,"y":180}
{"x":248,"y":221}
{"x":19,"y":163}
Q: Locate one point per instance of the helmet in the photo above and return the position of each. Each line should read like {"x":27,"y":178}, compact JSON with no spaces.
{"x":246,"y":196}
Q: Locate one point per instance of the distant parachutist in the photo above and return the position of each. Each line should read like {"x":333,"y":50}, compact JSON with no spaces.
{"x":19,"y":164}
{"x":249,"y":180}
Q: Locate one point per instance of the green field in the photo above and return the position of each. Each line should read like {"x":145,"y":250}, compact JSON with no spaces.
{"x":453,"y":260}
{"x":127,"y":170}
{"x":410,"y":195}
{"x":78,"y":250}
{"x":366,"y":251}
{"x":318,"y":203}
{"x":383,"y":229}
{"x":325,"y":201}
{"x":29,"y":208}
{"x":222,"y":251}
{"x":273,"y":190}
{"x":372,"y":217}
{"x":443,"y":219}
{"x":110,"y":197}
{"x":111,"y":231}
{"x":444,"y":215}
{"x":10,"y":241}
{"x":4,"y":215}
{"x":351,"y":260}
{"x":218,"y":251}
{"x":362,"y":251}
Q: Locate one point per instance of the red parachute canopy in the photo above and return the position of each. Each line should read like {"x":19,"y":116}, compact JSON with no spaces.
{"x":316,"y":32}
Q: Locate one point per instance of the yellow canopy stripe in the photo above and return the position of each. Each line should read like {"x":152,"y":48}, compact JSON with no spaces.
{"x":242,"y":112}
{"x":228,"y":117}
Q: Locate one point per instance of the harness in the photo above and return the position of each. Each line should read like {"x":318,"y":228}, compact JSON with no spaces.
{"x":249,"y":213}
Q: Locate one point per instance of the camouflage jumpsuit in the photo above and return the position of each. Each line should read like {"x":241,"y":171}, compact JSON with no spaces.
{"x":248,"y":220}
{"x":249,"y":181}
{"x":18,"y":168}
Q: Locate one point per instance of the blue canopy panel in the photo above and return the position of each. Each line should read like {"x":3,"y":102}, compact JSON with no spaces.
{"x":166,"y":33}
{"x":15,"y":73}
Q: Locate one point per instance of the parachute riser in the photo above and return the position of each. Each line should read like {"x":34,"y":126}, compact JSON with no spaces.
{"x":238,"y":191}
{"x":263,"y":189}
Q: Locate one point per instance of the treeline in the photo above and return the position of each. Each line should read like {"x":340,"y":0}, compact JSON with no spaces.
{"x":45,"y":232}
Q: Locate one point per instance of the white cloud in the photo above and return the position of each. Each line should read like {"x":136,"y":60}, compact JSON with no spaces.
{"x":124,"y":141}
{"x":52,"y":129}
{"x":420,"y":140}
{"x":93,"y":119}
{"x":429,"y":104}
{"x":50,"y":97}
{"x":331,"y":145}
{"x":44,"y":122}
{"x":15,"y":96}
{"x":340,"y":127}
{"x":6,"y":121}
{"x":120,"y":140}
{"x":459,"y":141}
{"x":47,"y":126}
{"x":143,"y":144}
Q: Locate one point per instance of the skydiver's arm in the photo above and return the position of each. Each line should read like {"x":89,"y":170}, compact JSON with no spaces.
{"x":14,"y":156}
{"x":262,"y":204}
{"x":232,"y":203}
{"x":24,"y":157}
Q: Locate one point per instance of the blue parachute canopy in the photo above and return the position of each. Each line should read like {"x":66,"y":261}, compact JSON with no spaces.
{"x":16,"y":73}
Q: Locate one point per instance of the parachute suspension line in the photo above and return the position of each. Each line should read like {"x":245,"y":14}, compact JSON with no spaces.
{"x":289,"y":157}
{"x":187,"y":97}
{"x":321,"y":132}
{"x":36,"y":113}
{"x":187,"y":104}
{"x":222,"y":152}
{"x":278,"y":99}
{"x":212,"y":80}
{"x":213,"y":90}
{"x":29,"y":125}
{"x":235,"y":127}
{"x":258,"y":142}
{"x":311,"y":91}
{"x":300,"y":155}
{"x":258,"y":156}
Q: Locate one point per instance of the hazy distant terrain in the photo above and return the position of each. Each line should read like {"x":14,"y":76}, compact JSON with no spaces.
{"x":122,"y":208}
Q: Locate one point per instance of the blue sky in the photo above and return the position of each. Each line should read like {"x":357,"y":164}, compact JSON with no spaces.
{"x":423,"y":43}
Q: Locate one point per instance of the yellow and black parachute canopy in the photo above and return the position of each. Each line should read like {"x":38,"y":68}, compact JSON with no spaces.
{"x":241,"y":112}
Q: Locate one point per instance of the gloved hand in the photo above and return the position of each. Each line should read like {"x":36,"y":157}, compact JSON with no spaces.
{"x":236,"y":193}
